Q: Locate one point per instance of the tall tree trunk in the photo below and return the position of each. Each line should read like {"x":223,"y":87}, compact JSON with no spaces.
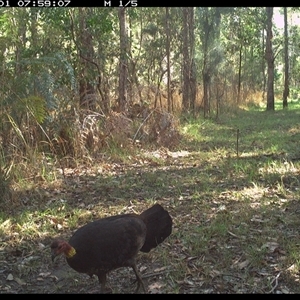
{"x":34,"y":38}
{"x":286,"y":60}
{"x":193,"y":75}
{"x":123,"y":61}
{"x":210,"y":37}
{"x":169,"y":94}
{"x":205,"y":70}
{"x":270,"y":60}
{"x":86,"y":52}
{"x":263,"y":66}
{"x":186,"y":60}
{"x":240,"y":74}
{"x":130,"y":65}
{"x":206,"y":83}
{"x":20,"y":40}
{"x":189,"y":66}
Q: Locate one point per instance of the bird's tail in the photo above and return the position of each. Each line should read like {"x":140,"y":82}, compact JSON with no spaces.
{"x":159,"y":226}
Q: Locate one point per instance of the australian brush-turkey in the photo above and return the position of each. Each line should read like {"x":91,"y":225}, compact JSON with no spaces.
{"x":113,"y":242}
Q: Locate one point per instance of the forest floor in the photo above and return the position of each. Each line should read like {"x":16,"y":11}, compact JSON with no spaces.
{"x":235,"y":217}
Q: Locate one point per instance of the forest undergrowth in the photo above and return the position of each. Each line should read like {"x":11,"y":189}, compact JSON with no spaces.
{"x":231,"y":186}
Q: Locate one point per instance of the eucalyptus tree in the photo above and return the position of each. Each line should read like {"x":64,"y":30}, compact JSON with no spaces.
{"x":270,"y":59}
{"x":188,"y":63}
{"x":209,"y":20}
{"x":291,"y":36}
{"x":151,"y":52}
{"x":155,"y":54}
{"x":168,"y":57}
{"x":286,"y":90}
{"x":86,"y":57}
{"x":294,"y":64}
{"x":242,"y":31}
{"x":122,"y":99}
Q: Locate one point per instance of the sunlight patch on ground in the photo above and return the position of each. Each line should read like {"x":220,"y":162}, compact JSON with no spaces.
{"x":254,"y":193}
{"x":294,"y":130}
{"x":279,"y":168}
{"x":165,"y":153}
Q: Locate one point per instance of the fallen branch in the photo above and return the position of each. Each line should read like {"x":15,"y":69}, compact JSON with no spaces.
{"x":276,"y":283}
{"x":234,"y":235}
{"x":155,"y":274}
{"x":144,"y":121}
{"x":151,"y":275}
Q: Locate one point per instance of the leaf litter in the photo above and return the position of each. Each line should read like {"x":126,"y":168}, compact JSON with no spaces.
{"x":219,"y":244}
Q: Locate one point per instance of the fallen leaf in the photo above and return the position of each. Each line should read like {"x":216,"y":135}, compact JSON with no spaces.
{"x":264,"y":273}
{"x":272,"y":246}
{"x":188,"y":282}
{"x":155,"y":287}
{"x":54,"y":277}
{"x":143,"y":268}
{"x":293,"y":267}
{"x":20,"y":281}
{"x":40,"y":279}
{"x":191,"y":258}
{"x":258,"y":220}
{"x":28,"y":259}
{"x":43,"y":275}
{"x":159,"y":269}
{"x":41,"y":246}
{"x":232,"y":234}
{"x":53,"y":220}
{"x":243,"y":264}
{"x":214,"y":273}
{"x":285,"y":291}
{"x":10,"y":277}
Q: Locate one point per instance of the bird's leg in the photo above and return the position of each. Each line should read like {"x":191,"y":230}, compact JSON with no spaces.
{"x":102,"y":281}
{"x":138,"y":278}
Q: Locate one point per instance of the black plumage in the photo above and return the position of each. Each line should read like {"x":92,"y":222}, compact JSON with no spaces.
{"x":113,"y":242}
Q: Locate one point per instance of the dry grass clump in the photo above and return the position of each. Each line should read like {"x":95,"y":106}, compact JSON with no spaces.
{"x":159,"y":128}
{"x":153,"y":127}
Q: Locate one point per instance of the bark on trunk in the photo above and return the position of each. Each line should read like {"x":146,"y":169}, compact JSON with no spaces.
{"x":270,"y":60}
{"x":123,"y":61}
{"x":286,"y":90}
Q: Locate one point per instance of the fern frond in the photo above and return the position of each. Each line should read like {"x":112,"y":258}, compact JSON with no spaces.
{"x":36,"y":106}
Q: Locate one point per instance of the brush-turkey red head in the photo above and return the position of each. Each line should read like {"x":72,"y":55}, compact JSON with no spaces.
{"x":113,"y":242}
{"x":61,"y":247}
